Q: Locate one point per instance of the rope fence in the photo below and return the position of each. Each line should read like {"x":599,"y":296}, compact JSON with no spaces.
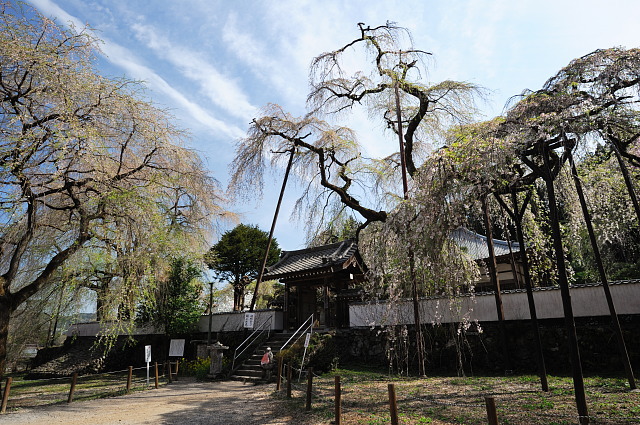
{"x":17,"y":394}
{"x":395,"y":402}
{"x":359,"y":399}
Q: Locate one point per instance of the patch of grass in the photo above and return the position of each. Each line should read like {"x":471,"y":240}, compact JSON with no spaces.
{"x":461,"y":381}
{"x":528,"y":379}
{"x":460,"y":400}
{"x":41,"y":392}
{"x":537,"y":404}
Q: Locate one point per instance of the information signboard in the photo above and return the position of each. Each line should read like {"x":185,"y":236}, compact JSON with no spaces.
{"x":249,"y":319}
{"x":147,"y":359}
{"x":147,"y":354}
{"x":176,"y":348}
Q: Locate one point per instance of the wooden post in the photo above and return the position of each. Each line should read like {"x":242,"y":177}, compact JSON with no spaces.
{"x":279,"y":379}
{"x":393,"y":405}
{"x":627,"y":178}
{"x":177,"y":364}
{"x":169,"y":369}
{"x":563,"y":281}
{"x":273,"y":226}
{"x":495,"y":281}
{"x":74,"y":380}
{"x":517,"y":213}
{"x":289,"y":381}
{"x":129,"y":377}
{"x":338,"y":402}
{"x":548,"y":174}
{"x":5,"y":395}
{"x":309,"y":387}
{"x":622,"y":347}
{"x":492,"y":414}
{"x":156,"y":375}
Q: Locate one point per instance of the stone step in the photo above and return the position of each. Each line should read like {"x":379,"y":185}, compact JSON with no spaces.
{"x":246,"y":379}
{"x":249,"y":372}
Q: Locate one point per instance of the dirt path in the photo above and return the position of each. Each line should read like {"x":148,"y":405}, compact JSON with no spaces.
{"x":183,"y":402}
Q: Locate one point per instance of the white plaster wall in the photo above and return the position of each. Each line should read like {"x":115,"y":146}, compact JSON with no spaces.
{"x":220,"y":322}
{"x":585,"y":300}
{"x":224,"y":322}
{"x":97,"y":328}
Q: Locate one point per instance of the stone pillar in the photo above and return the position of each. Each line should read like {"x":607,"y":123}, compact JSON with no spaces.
{"x":216,"y":354}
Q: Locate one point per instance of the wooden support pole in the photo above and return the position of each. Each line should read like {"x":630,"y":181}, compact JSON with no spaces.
{"x":129,"y":377}
{"x":517,"y":213}
{"x":495,"y":281}
{"x":289,"y":381}
{"x":169,"y":369}
{"x":563,"y":282}
{"x":273,"y":226}
{"x":156,"y":368}
{"x":5,"y":395}
{"x":627,"y":180}
{"x":72,"y":390}
{"x":279,"y":378}
{"x":338,"y":401}
{"x":309,"y":388}
{"x":615,"y":322}
{"x":492,"y":414}
{"x":393,"y":404}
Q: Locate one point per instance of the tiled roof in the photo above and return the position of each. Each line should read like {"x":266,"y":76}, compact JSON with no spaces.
{"x":475,"y":244}
{"x":311,"y":261}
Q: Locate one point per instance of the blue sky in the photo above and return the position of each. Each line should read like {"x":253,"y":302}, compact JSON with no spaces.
{"x":214,"y":64}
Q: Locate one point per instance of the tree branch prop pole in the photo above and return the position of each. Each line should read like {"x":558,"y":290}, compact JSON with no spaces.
{"x":493,"y":275}
{"x":627,"y":181}
{"x":622,"y":348}
{"x":576,"y":366}
{"x":412,"y":267}
{"x":273,"y":226}
{"x":210,"y":314}
{"x":403,"y":161}
{"x":516,"y":215}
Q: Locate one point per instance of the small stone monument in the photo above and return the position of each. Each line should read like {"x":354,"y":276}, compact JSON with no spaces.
{"x":216,"y":354}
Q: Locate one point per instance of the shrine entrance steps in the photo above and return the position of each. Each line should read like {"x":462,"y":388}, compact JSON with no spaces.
{"x":250,"y":370}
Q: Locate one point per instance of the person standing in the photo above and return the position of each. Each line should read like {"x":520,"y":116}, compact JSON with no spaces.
{"x":267,"y":364}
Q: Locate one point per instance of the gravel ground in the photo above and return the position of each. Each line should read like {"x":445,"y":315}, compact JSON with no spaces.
{"x":182,"y":402}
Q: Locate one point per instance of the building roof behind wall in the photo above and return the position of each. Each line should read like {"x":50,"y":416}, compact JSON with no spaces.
{"x":314,"y":261}
{"x":475,"y":244}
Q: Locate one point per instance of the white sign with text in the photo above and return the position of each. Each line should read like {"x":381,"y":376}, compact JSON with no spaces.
{"x":249,"y":319}
{"x":176,"y":348}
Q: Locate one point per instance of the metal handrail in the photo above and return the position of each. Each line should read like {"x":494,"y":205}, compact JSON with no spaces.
{"x":251,"y":339}
{"x":310,"y":326}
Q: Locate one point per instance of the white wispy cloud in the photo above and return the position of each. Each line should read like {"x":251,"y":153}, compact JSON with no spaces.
{"x":123,"y":58}
{"x":262,"y":60}
{"x":134,"y":68}
{"x":49,"y":8}
{"x":220,"y":89}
